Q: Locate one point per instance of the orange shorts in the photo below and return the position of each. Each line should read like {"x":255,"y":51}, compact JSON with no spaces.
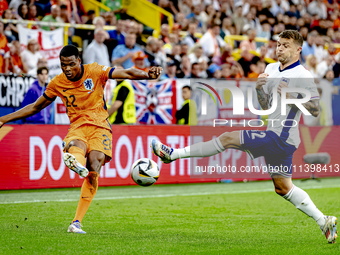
{"x":95,"y":138}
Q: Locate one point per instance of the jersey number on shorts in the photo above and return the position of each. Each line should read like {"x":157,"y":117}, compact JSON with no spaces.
{"x":72,"y":100}
{"x":107,"y":142}
{"x":259,"y":135}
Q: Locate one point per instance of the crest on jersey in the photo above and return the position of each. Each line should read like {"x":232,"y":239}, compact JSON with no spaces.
{"x":88,"y":84}
{"x":285,"y":80}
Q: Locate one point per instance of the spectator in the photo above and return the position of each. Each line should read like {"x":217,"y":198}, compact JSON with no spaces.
{"x":185,"y":68}
{"x":225,"y":70}
{"x":317,"y":7}
{"x":170,"y":70}
{"x":98,"y":22}
{"x":190,"y":39}
{"x":5,"y":54}
{"x":41,"y":62}
{"x":214,"y":71}
{"x":324,"y":66}
{"x":23,"y":11}
{"x":34,"y":92}
{"x":197,"y":55}
{"x":164,"y":36}
{"x":226,"y":25}
{"x":32,"y":15}
{"x":238,"y":18}
{"x":184,"y":49}
{"x":117,"y":33}
{"x":308,"y":47}
{"x":31,"y":55}
{"x":97,"y":50}
{"x":10,"y":30}
{"x":176,"y":53}
{"x":123,"y":53}
{"x":320,"y":52}
{"x":195,"y":71}
{"x":211,"y":42}
{"x":187,"y":114}
{"x":206,"y":16}
{"x":181,"y":20}
{"x":311,"y":63}
{"x":54,"y":17}
{"x":122,"y":109}
{"x":245,"y":60}
{"x":328,"y":90}
{"x":16,"y":66}
{"x":139,"y":61}
{"x":151,"y":50}
{"x":176,"y":29}
{"x":250,"y":42}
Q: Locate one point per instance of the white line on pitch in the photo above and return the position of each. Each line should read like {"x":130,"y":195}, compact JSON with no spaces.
{"x":163,"y":195}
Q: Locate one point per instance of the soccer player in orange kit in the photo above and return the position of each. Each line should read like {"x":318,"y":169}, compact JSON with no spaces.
{"x":81,"y":88}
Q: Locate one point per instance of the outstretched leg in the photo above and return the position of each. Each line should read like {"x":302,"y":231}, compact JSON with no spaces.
{"x":301,"y":200}
{"x":203,"y":149}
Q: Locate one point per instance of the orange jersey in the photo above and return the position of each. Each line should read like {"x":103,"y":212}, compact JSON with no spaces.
{"x":84,"y":99}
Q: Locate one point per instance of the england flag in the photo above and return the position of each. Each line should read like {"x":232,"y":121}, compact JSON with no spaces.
{"x":153,"y":101}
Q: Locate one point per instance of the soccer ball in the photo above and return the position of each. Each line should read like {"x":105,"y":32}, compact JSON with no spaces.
{"x":145,"y":172}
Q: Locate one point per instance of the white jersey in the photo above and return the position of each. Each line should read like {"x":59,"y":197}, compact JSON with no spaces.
{"x":296,"y":76}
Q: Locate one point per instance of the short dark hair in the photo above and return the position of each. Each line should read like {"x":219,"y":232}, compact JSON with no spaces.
{"x":40,"y":69}
{"x":292,"y":34}
{"x":187,"y":87}
{"x":63,"y":7}
{"x":68,"y":51}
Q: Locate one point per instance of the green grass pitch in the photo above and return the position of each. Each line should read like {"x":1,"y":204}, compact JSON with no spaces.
{"x":234,"y":218}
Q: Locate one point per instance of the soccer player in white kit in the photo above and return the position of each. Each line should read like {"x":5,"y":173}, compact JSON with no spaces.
{"x":278,"y":143}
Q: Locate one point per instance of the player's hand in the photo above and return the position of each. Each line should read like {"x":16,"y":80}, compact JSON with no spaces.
{"x":282,"y":85}
{"x":155,"y":72}
{"x":261,"y":80}
{"x":1,"y":124}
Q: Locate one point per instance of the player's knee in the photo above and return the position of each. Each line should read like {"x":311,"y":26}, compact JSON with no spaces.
{"x":281,"y":190}
{"x":96,"y":163}
{"x":227,"y":139}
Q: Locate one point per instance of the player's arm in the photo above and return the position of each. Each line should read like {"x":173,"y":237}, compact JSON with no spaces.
{"x":115,"y":106}
{"x":312,"y":106}
{"x":262,"y":96}
{"x":136,"y":74}
{"x":27,"y":111}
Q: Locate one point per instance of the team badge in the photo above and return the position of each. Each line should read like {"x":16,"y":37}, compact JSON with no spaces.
{"x":285,"y":80}
{"x":88,"y":84}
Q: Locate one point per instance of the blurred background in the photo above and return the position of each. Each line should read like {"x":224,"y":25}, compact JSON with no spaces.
{"x":212,"y":41}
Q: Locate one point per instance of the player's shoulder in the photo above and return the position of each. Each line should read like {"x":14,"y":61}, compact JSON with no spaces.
{"x":272,"y":66}
{"x":303,"y":72}
{"x":59,"y":78}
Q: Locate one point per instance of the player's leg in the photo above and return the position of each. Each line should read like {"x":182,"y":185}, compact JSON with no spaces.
{"x":100,"y":152}
{"x":89,"y":189}
{"x":203,"y":149}
{"x":301,"y":200}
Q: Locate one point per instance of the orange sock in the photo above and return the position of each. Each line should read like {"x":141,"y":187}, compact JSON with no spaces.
{"x":88,"y":191}
{"x":79,"y":154}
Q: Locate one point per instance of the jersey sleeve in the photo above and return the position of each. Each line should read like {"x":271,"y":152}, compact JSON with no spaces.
{"x":50,"y":92}
{"x":306,"y":81}
{"x":103,"y":72}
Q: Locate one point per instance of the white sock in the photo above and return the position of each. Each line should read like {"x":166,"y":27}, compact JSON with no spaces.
{"x":206,"y":149}
{"x":302,"y":201}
